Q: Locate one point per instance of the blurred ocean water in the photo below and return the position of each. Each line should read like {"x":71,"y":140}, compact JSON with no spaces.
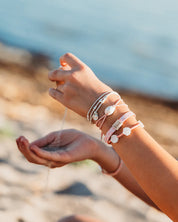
{"x":129,"y":44}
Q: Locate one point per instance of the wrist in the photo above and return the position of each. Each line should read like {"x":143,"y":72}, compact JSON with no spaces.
{"x":106,"y":157}
{"x":116,"y":115}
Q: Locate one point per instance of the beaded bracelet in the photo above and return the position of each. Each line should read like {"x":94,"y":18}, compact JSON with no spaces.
{"x":94,"y":111}
{"x":126,"y":131}
{"x":117,"y":125}
{"x":116,"y":171}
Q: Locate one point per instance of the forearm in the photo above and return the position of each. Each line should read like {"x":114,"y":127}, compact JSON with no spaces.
{"x":153,"y":168}
{"x":108,"y":160}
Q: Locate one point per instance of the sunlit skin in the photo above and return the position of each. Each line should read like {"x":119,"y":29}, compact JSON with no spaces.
{"x":72,"y":146}
{"x":151,"y":172}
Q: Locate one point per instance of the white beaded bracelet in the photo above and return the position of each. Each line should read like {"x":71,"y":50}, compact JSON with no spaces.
{"x":118,"y":124}
{"x":126,"y":131}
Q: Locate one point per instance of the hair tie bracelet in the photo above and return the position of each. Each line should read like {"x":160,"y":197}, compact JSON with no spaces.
{"x":126,"y":131}
{"x":94,"y":112}
{"x":116,"y":171}
{"x":118,"y":124}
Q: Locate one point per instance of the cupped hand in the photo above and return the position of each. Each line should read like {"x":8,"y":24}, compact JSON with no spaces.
{"x":78,"y":87}
{"x":58,"y":148}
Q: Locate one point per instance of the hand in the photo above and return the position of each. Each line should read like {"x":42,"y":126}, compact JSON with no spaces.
{"x":78,"y":87}
{"x":59,"y":148}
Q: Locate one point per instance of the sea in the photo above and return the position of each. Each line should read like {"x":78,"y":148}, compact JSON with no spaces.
{"x":129,"y":44}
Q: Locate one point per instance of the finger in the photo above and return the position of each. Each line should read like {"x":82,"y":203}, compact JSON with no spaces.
{"x":44,"y":141}
{"x":17,"y":142}
{"x":59,"y":75}
{"x":54,"y":164}
{"x":30,"y":156}
{"x":56,"y":94}
{"x":65,"y":66}
{"x":58,"y":156}
{"x":71,"y":60}
{"x":60,"y":87}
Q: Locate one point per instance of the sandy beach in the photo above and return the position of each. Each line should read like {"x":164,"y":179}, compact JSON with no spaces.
{"x":26,"y":109}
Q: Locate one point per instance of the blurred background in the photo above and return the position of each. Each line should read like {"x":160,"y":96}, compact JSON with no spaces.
{"x":130,"y":45}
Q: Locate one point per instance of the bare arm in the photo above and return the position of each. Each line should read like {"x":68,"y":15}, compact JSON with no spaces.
{"x":108,"y":160}
{"x":69,"y":146}
{"x":154,"y":169}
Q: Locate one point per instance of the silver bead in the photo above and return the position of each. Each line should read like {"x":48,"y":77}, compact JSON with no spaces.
{"x":95,"y":116}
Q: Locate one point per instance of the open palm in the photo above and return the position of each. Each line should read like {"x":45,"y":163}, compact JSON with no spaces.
{"x":58,"y":148}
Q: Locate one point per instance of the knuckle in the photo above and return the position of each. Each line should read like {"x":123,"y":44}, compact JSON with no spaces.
{"x":68,"y":55}
{"x":54,"y":73}
{"x":83,"y":67}
{"x":66,"y":88}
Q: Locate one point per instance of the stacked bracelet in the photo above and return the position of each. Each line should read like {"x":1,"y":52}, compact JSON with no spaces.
{"x":95,"y":104}
{"x":108,"y":112}
{"x":117,"y":125}
{"x":93,"y":111}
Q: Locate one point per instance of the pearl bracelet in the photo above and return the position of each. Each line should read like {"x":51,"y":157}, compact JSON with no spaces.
{"x":117,"y":125}
{"x":126,"y":131}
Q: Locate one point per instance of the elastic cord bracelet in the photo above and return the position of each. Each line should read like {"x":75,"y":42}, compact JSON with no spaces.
{"x":94,"y":115}
{"x":117,"y":125}
{"x":116,"y":171}
{"x":126,"y":131}
{"x":94,"y":111}
{"x":105,"y":93}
